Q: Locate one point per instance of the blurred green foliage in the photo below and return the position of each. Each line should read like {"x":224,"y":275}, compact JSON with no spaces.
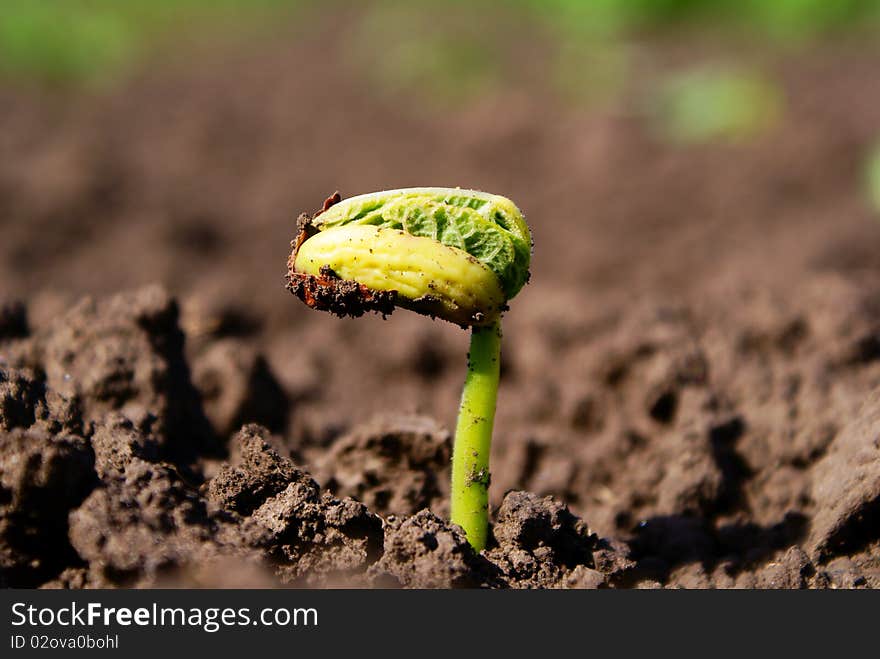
{"x":590,"y":72}
{"x":872,"y":176}
{"x":710,"y":104}
{"x":79,"y":39}
{"x":451,"y":58}
{"x":801,"y":19}
{"x":783,"y":19}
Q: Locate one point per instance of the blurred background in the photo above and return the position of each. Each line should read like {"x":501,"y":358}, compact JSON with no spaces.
{"x":661,"y":149}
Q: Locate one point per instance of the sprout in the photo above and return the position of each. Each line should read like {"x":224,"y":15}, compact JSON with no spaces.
{"x":454,"y":254}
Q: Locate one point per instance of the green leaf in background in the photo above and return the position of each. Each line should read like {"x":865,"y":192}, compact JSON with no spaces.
{"x":447,"y":55}
{"x":783,"y":20}
{"x":716,"y":105}
{"x":591,"y":72}
{"x":53,"y":41}
{"x":798,"y":20}
{"x":81,"y":40}
{"x":872,"y":172}
{"x":437,"y":45}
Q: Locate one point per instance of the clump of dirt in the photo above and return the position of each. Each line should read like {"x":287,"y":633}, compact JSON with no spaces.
{"x":423,"y":551}
{"x":719,"y":459}
{"x":42,"y":478}
{"x":542,"y":545}
{"x":847,"y":481}
{"x":13,"y":320}
{"x":124,"y":354}
{"x":118,"y":441}
{"x":396,"y":465}
{"x":21,"y":398}
{"x":255,"y":472}
{"x":316,"y":538}
{"x":237,"y":387}
{"x":135,"y":526}
{"x":328,"y":292}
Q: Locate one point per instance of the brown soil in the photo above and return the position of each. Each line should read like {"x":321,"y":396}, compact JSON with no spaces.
{"x":691,"y":382}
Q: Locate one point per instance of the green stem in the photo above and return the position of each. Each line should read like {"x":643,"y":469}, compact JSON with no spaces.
{"x":473,"y":436}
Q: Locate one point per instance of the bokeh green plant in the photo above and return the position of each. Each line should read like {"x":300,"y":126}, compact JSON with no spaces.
{"x":79,"y":40}
{"x":715,"y":104}
{"x":872,"y":176}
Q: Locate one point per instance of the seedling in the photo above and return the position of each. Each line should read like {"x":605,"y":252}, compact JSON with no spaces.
{"x":448,"y":253}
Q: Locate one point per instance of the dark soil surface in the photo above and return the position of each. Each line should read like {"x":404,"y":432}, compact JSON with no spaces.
{"x":691,"y":382}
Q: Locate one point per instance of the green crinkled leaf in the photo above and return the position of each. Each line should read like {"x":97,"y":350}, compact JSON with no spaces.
{"x":488,"y":227}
